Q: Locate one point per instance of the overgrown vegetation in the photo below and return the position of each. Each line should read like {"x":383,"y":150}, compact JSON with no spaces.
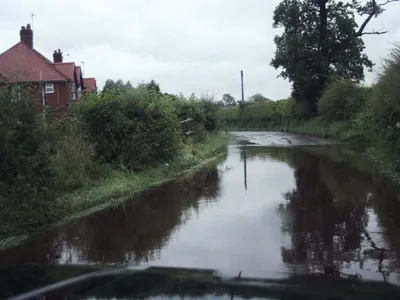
{"x":121,"y":140}
{"x":321,"y":40}
{"x":347,"y":111}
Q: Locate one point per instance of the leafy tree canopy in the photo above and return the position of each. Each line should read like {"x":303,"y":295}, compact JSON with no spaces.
{"x":321,"y":39}
{"x":116,"y":86}
{"x":151,"y":86}
{"x":228,"y":100}
{"x":259,"y":98}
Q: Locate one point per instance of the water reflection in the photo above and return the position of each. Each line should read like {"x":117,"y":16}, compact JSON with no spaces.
{"x":328,"y":215}
{"x":132,"y":233}
{"x":301,"y":209}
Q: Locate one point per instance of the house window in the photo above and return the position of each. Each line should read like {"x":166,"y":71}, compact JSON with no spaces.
{"x":49,"y":88}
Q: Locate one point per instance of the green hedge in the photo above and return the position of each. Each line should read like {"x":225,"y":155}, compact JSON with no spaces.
{"x":134,"y":130}
{"x":128,"y":130}
{"x":342,"y":100}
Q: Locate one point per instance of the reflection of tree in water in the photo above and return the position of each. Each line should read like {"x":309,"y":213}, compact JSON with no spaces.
{"x":138,"y":231}
{"x":134,"y":232}
{"x":386,"y":203}
{"x":327,"y":212}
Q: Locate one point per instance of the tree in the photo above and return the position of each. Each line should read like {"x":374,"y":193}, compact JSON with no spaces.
{"x":321,"y":40}
{"x":154,"y":86}
{"x":220,"y":103}
{"x":116,"y":86}
{"x":259,"y":98}
{"x":151,"y":86}
{"x":228,"y":100}
{"x":129,"y":84}
{"x":109,"y":84}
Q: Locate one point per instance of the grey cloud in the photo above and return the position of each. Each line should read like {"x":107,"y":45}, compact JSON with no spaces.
{"x":186,"y":46}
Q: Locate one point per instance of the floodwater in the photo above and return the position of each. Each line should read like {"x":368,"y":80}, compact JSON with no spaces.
{"x":278,"y":204}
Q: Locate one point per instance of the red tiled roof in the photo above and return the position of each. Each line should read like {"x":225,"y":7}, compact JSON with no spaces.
{"x":90,"y":83}
{"x":68,"y":69}
{"x":78,"y":72}
{"x":26,"y":64}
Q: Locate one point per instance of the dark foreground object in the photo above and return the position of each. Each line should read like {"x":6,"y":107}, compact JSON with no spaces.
{"x":82,"y":282}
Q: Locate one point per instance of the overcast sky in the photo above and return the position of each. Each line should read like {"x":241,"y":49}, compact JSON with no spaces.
{"x":187,"y":46}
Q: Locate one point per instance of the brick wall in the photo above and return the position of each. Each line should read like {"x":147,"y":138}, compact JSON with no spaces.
{"x":61,"y":99}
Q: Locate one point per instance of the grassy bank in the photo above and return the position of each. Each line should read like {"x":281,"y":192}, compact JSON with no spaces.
{"x":120,"y":186}
{"x":112,"y":144}
{"x":385,"y":158}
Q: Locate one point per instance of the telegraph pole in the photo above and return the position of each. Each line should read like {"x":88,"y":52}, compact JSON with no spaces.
{"x":244,"y":148}
{"x":245,"y":167}
{"x":241,"y":80}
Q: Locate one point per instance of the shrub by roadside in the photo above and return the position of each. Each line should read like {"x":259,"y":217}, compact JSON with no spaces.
{"x":342,"y":100}
{"x":135,"y":130}
{"x":108,"y":137}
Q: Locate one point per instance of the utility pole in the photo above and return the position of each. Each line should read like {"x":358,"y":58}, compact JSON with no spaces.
{"x":245,"y":167}
{"x":241,"y":80}
{"x":244,"y":148}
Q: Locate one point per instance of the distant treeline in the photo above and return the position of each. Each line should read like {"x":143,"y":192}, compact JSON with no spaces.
{"x":347,"y":111}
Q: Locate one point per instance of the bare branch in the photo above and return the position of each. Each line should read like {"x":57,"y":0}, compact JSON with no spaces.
{"x":366,"y":21}
{"x":375,"y":9}
{"x":387,"y":2}
{"x":375,"y":32}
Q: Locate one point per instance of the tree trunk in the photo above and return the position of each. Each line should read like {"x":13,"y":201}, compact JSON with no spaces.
{"x":323,"y":34}
{"x":323,"y":45}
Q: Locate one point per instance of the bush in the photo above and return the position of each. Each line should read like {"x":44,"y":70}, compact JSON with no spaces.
{"x":72,"y":161}
{"x":342,"y":100}
{"x":384,"y":103}
{"x":210,"y":114}
{"x":39,"y":160}
{"x":22,"y":151}
{"x":127,"y":128}
{"x":194,"y":110}
{"x":134,"y":130}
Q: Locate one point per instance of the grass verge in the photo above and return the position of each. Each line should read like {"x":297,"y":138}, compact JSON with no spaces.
{"x":120,"y":186}
{"x":123,"y":185}
{"x":382,"y":158}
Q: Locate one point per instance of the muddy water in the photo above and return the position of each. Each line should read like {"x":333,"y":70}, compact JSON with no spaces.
{"x":278,"y":204}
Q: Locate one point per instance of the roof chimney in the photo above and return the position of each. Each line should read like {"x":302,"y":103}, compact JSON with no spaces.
{"x":57,"y":56}
{"x":26,"y":35}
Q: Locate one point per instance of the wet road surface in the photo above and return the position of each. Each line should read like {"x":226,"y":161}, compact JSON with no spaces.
{"x":278,"y":204}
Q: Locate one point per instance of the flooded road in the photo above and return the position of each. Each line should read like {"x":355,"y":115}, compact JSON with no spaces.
{"x":278,"y":204}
